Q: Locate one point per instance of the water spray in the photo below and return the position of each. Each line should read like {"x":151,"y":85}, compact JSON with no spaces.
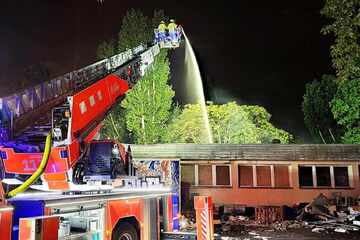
{"x":196,"y":87}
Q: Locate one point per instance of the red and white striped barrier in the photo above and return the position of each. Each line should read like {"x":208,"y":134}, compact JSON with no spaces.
{"x":204,"y":217}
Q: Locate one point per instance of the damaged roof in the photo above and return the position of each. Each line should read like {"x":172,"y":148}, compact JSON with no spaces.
{"x":272,"y":152}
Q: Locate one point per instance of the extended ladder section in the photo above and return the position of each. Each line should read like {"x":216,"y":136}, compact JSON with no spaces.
{"x":18,"y":111}
{"x":72,"y":107}
{"x":79,"y":102}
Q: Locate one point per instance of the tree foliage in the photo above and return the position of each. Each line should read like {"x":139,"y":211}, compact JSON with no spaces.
{"x":229,"y":123}
{"x":345,"y":52}
{"x":346,"y":109}
{"x":134,"y":30}
{"x":148,"y":105}
{"x":106,"y":49}
{"x":267,"y":132}
{"x":137,"y":28}
{"x":158,"y":16}
{"x":114,"y":125}
{"x":187,"y":127}
{"x":146,"y":108}
{"x":318,"y":117}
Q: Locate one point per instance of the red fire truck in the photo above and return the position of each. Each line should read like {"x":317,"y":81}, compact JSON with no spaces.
{"x":131,"y":214}
{"x":80,"y":187}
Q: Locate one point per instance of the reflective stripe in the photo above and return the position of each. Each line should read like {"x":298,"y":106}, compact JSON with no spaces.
{"x":172,"y":27}
{"x":204,"y":227}
{"x":92,"y":100}
{"x":99,"y":95}
{"x":83,"y":108}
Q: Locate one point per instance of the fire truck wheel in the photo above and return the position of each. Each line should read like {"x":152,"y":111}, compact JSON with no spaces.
{"x":125,"y":231}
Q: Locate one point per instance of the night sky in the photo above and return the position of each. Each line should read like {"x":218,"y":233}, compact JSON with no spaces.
{"x":254,"y":52}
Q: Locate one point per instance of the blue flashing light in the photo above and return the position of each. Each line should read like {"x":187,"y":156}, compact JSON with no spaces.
{"x":64,"y":154}
{"x":175,"y":210}
{"x":3,"y":155}
{"x":4,"y":134}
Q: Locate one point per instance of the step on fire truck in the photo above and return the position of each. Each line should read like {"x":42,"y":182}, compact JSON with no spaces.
{"x":81,"y":187}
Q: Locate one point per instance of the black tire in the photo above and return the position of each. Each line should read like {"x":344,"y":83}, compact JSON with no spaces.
{"x":125,"y":231}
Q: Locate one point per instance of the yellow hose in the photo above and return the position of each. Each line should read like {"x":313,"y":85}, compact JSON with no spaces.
{"x":38,"y":171}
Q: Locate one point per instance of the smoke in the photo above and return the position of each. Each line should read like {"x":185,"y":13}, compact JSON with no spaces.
{"x":221,"y":96}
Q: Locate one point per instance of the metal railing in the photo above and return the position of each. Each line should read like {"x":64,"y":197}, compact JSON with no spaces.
{"x":15,"y":108}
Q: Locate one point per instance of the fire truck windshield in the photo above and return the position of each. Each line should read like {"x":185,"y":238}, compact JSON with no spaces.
{"x":100,"y":157}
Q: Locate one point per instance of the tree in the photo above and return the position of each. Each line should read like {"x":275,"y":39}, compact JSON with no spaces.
{"x":159,"y":15}
{"x":267,"y":132}
{"x":148,"y":105}
{"x":135,"y":29}
{"x":106,"y":49}
{"x":187,"y":127}
{"x":346,"y":109}
{"x":114,"y":125}
{"x":230,"y":123}
{"x":142,"y":116}
{"x":318,"y":117}
{"x":345,"y":52}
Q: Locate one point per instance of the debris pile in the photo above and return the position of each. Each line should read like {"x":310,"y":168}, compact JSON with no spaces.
{"x":323,"y":215}
{"x":268,"y":214}
{"x":186,"y":224}
{"x":234,"y":226}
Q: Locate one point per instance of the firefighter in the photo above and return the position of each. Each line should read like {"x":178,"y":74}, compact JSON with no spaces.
{"x":162,"y":31}
{"x":172,"y":31}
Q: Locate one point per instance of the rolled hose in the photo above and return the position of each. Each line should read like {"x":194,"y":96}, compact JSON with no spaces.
{"x":38,"y":171}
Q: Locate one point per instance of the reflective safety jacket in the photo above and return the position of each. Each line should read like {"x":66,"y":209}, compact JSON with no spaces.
{"x":172,"y":27}
{"x":162,"y":27}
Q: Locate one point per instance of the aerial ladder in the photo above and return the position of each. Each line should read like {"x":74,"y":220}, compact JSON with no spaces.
{"x":49,"y":135}
{"x":90,"y":188}
{"x":78,"y":102}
